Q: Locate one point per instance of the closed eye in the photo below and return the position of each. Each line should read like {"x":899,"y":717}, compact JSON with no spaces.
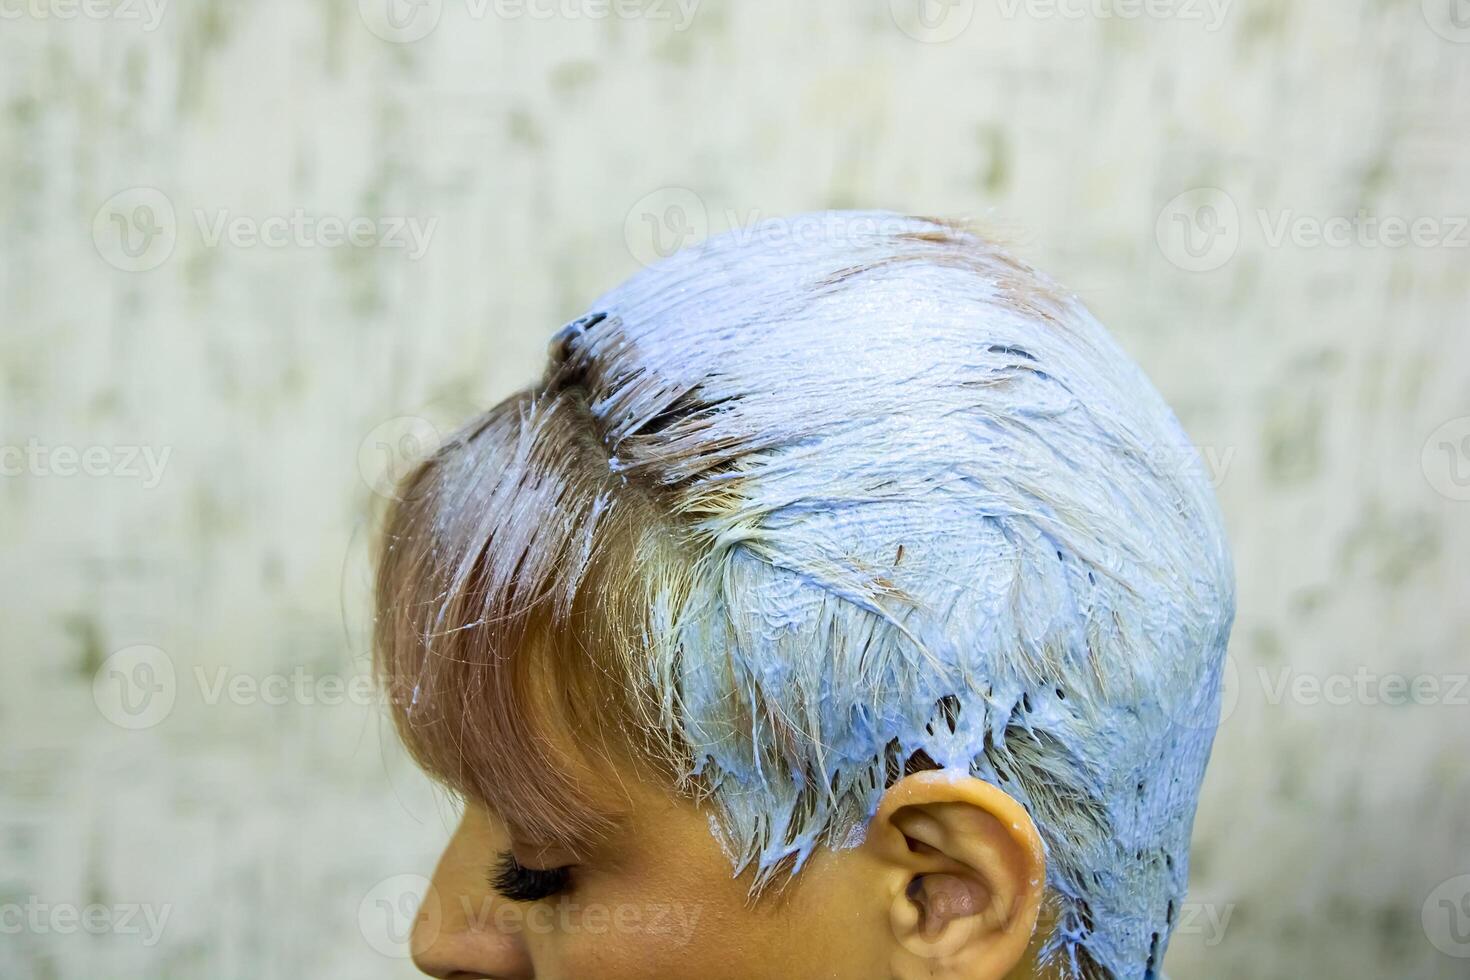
{"x":519,"y":883}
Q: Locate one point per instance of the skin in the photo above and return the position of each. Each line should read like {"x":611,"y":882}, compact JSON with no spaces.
{"x":948,"y":883}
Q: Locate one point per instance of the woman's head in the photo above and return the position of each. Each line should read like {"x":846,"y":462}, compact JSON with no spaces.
{"x":834,"y":513}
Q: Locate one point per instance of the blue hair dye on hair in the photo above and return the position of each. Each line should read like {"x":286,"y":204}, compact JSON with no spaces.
{"x":935,"y":509}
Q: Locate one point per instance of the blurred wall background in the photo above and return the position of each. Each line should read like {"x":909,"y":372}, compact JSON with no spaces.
{"x":256,"y":257}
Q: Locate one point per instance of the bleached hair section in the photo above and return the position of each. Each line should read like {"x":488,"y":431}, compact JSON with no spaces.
{"x":923,"y":506}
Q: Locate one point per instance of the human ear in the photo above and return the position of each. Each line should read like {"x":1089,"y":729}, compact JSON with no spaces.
{"x":964,"y":870}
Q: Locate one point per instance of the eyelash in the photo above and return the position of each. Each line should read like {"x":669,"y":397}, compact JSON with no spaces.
{"x":522,"y":884}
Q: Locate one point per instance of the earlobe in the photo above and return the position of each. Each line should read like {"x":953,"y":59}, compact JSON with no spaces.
{"x":966,"y":874}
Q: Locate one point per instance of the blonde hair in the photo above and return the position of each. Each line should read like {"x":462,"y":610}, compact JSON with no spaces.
{"x":799,"y":506}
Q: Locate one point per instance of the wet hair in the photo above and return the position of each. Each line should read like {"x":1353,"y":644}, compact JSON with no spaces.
{"x":798,"y":506}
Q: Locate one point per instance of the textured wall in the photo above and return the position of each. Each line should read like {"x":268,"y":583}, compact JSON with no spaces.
{"x":203,"y":383}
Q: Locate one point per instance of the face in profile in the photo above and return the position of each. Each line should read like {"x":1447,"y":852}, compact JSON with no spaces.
{"x":841,"y":603}
{"x":939,"y":880}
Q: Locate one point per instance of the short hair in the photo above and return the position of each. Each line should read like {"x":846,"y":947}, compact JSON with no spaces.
{"x":804,"y":503}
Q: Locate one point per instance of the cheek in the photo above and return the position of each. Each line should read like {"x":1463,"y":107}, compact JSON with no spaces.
{"x":709,"y":934}
{"x":695,"y":933}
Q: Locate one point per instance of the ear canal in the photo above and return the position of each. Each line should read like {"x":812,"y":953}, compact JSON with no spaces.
{"x":944,"y":898}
